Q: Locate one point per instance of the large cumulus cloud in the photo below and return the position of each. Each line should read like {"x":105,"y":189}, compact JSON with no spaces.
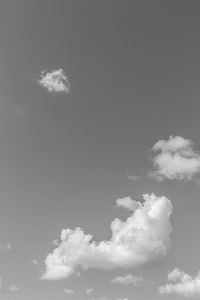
{"x":143,"y":237}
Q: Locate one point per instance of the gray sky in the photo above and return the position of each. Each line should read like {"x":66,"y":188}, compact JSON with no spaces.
{"x":67,"y":156}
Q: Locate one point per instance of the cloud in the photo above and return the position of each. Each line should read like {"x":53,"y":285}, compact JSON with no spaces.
{"x":122,"y":298}
{"x":5,"y":246}
{"x":13,"y":288}
{"x":128,"y":203}
{"x":68,"y":291}
{"x":55,"y":81}
{"x":89,"y":291}
{"x":127,"y":279}
{"x":144,"y":237}
{"x":133,"y":177}
{"x":34,"y":262}
{"x":182,"y":284}
{"x":175,"y":158}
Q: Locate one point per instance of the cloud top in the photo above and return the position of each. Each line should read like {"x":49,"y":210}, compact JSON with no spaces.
{"x":143,"y":237}
{"x":182,"y":284}
{"x":55,"y":81}
{"x":175,"y":158}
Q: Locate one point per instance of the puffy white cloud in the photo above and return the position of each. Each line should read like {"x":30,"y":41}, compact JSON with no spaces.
{"x":89,"y":291}
{"x":175,"y":158}
{"x":68,"y":291}
{"x":55,"y":81}
{"x":128,"y":279}
{"x":143,"y":237}
{"x":128,"y":203}
{"x":182,"y":284}
{"x":122,"y":298}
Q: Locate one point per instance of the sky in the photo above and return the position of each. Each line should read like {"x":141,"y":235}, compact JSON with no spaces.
{"x":100,"y":149}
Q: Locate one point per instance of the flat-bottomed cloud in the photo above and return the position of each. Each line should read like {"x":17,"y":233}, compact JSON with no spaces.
{"x":142,"y":238}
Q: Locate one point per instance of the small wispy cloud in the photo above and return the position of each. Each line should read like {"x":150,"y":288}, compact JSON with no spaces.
{"x":133,"y":177}
{"x":128,"y":279}
{"x":5,"y":246}
{"x":13,"y":288}
{"x":4,"y":289}
{"x":54,"y":81}
{"x":68,"y":291}
{"x":182,"y":284}
{"x":89,"y":291}
{"x":34,"y":262}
